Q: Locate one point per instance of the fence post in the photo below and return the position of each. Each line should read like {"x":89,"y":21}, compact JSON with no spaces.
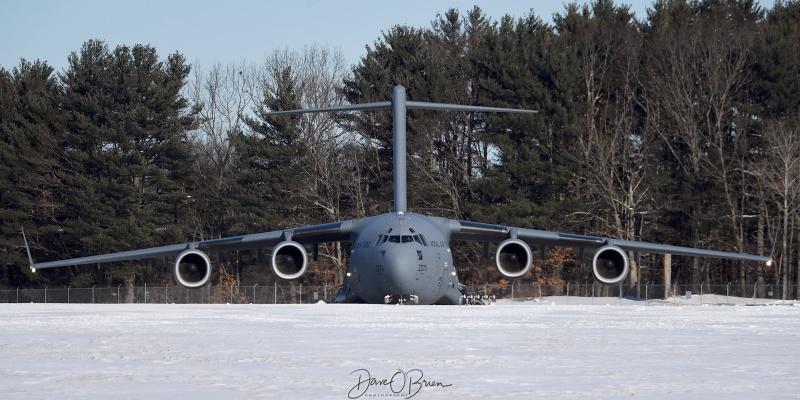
{"x":701,"y":292}
{"x":674,"y":297}
{"x":755,"y":289}
{"x":17,"y":294}
{"x":68,"y":287}
{"x":254,"y":293}
{"x":540,"y":293}
{"x":118,"y":293}
{"x":145,"y":293}
{"x":275,"y":292}
{"x":301,"y":293}
{"x":166,"y":294}
{"x":727,"y":292}
{"x":93,"y":294}
{"x":45,"y":295}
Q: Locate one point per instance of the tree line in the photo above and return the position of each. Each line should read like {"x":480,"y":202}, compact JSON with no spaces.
{"x":681,"y":127}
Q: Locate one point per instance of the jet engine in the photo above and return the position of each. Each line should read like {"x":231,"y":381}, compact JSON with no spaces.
{"x":610,"y":265}
{"x":289,"y":260}
{"x":513,"y":258}
{"x":192,"y":269}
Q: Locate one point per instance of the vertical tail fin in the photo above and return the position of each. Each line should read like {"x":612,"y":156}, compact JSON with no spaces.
{"x":399,"y":144}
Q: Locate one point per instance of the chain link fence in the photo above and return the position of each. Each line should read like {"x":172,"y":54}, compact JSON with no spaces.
{"x":298,"y":294}
{"x":274,"y":294}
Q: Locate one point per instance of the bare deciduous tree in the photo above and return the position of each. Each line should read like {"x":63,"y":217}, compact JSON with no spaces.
{"x":696,"y":84}
{"x":331,"y":177}
{"x":781,"y":176}
{"x":223,"y":95}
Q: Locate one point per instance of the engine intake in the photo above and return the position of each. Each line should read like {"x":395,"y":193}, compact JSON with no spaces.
{"x":192,"y":269}
{"x":289,"y":260}
{"x":513,"y":258}
{"x":610,"y":265}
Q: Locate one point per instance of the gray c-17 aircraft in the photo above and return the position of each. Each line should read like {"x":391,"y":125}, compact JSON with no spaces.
{"x":399,"y":257}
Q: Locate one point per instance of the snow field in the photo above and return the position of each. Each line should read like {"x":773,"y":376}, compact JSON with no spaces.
{"x":507,"y":350}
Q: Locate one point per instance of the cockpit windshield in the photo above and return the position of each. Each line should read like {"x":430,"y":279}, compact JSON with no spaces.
{"x":402,"y":239}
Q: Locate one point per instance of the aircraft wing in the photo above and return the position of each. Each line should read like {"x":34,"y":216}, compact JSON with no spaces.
{"x":474,"y":231}
{"x":332,"y":232}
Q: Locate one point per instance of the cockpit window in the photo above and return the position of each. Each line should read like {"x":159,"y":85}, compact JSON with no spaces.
{"x":402,"y":239}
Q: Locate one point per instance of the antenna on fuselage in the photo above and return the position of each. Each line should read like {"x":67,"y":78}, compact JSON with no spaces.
{"x":399,"y":107}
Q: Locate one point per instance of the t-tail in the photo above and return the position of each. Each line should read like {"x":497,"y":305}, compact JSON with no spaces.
{"x":399,"y":105}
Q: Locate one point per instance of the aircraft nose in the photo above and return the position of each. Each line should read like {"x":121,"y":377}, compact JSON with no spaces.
{"x":400,"y":266}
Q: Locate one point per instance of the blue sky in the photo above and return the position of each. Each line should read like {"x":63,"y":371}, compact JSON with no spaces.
{"x":209,"y":32}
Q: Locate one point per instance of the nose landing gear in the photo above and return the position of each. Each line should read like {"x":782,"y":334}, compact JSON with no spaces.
{"x":401,"y":299}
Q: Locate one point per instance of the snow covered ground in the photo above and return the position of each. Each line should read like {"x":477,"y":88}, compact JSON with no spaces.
{"x":532,"y":350}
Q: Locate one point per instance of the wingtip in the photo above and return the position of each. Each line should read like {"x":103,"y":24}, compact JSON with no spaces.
{"x":774,"y":243}
{"x":28,"y":249}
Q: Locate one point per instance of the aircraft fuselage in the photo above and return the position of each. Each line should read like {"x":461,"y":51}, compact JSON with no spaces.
{"x":401,"y":257}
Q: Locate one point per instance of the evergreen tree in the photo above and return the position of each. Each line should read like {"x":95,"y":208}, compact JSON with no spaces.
{"x":776,"y":87}
{"x":127,"y":155}
{"x":522,"y":69}
{"x":29,"y":125}
{"x":270,"y":157}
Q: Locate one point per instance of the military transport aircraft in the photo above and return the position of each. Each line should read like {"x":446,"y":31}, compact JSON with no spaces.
{"x":398,"y":257}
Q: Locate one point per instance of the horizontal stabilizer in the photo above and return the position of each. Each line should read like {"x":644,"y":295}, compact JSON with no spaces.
{"x":413,"y":105}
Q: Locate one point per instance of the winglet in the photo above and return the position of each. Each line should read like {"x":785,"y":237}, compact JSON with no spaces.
{"x":774,"y":242}
{"x":30,"y":258}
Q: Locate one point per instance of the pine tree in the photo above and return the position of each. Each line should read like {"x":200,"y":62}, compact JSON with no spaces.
{"x":127,"y":154}
{"x":270,"y":157}
{"x":29,"y":125}
{"x":523,"y":70}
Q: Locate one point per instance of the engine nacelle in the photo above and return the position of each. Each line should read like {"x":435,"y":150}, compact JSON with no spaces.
{"x":610,"y":265}
{"x":289,"y":260}
{"x":192,"y":269}
{"x":513,"y":258}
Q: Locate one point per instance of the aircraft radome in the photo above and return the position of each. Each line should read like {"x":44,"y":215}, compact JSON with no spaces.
{"x":399,"y":256}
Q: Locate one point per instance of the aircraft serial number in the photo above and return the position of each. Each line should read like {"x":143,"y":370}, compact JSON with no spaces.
{"x":435,"y":243}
